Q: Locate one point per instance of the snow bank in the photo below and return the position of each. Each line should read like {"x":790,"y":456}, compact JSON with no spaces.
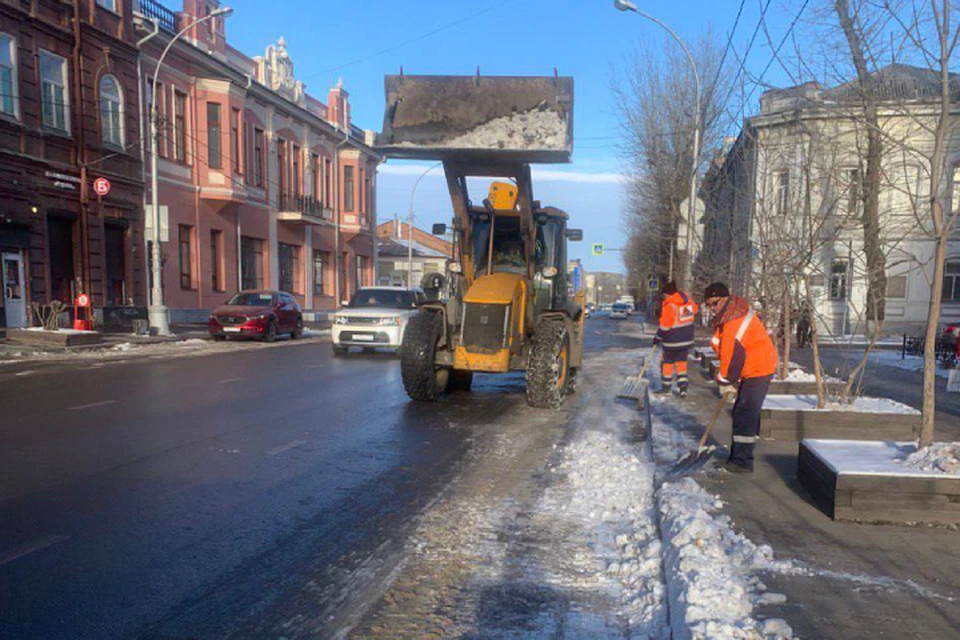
{"x":861,"y":405}
{"x":711,"y":570}
{"x":612,"y":491}
{"x":939,"y":456}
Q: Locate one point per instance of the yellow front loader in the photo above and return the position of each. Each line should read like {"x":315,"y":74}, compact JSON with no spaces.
{"x":509,"y":308}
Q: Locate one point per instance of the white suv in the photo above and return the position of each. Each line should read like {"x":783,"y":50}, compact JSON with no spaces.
{"x":375,"y":317}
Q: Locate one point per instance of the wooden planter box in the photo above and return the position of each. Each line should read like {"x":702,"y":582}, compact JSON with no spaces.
{"x":795,"y":388}
{"x":53,"y":338}
{"x":795,"y":424}
{"x":877,"y":491}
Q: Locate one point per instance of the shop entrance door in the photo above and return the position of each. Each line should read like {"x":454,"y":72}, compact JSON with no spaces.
{"x":14,"y":302}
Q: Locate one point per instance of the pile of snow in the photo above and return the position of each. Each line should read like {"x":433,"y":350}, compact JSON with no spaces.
{"x":939,"y":456}
{"x":536,"y":129}
{"x":859,"y":405}
{"x":799,"y":375}
{"x":612,"y":492}
{"x":711,"y":570}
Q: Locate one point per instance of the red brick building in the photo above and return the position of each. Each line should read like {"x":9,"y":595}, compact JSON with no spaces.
{"x":68,"y":115}
{"x":262,"y":184}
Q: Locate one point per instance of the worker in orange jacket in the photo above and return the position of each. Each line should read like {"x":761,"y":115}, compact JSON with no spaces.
{"x":748,"y":361}
{"x":675,"y":336}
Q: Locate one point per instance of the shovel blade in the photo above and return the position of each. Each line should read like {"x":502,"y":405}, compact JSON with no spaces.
{"x":689,"y":464}
{"x":632,"y":388}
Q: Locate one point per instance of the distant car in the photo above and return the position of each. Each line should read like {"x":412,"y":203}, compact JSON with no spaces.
{"x":620,"y":311}
{"x":375,"y":317}
{"x":257,"y":314}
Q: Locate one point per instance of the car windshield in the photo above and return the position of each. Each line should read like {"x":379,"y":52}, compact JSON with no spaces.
{"x":384,"y":298}
{"x":251,"y":300}
{"x":620,"y":307}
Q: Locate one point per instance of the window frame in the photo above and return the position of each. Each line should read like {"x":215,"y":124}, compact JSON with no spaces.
{"x":216,"y":261}
{"x":954,"y":279}
{"x":214,"y":133}
{"x":64,"y":87}
{"x":319,"y":283}
{"x":285,"y":250}
{"x":14,"y":91}
{"x":782,"y":186}
{"x":348,"y":180}
{"x":109,"y":5}
{"x":839,"y":288}
{"x":256,"y":253}
{"x":235,"y":138}
{"x":185,"y":242}
{"x":295,"y":170}
{"x":107,"y":114}
{"x":180,"y":109}
{"x":258,"y":144}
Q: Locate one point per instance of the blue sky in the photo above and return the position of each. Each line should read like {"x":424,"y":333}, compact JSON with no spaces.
{"x":360,"y":42}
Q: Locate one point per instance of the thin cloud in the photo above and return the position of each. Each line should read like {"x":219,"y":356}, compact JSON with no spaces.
{"x":540,"y":175}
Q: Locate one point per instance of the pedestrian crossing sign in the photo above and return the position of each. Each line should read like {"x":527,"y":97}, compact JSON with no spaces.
{"x":653,"y":284}
{"x":596,"y":249}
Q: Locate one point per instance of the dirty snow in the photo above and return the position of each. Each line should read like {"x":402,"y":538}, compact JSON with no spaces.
{"x":860,"y":405}
{"x":535,"y":129}
{"x":712,"y":571}
{"x":799,"y":375}
{"x":943,"y":457}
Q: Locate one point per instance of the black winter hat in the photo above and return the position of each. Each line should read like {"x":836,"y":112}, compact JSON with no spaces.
{"x":670,"y":288}
{"x":716,"y":290}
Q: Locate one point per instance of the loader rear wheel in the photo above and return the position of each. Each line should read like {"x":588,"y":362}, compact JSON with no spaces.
{"x":422,"y":379}
{"x":548,"y":366}
{"x":460,"y":381}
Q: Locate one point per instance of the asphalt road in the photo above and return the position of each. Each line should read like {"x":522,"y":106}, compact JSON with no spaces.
{"x":192,"y":497}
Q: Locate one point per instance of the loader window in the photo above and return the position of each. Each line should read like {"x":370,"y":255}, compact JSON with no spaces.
{"x":547,"y":253}
{"x":508,"y":254}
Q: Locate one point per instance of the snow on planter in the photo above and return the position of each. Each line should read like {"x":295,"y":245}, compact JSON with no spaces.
{"x":795,"y":417}
{"x":799,"y":382}
{"x":712,"y":571}
{"x":882,"y":481}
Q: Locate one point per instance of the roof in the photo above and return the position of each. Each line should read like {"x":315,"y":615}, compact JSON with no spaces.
{"x":399,"y":247}
{"x":895,"y":82}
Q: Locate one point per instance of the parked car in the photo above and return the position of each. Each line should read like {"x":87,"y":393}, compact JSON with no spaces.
{"x":257,"y":314}
{"x":620,"y":311}
{"x":375,"y":317}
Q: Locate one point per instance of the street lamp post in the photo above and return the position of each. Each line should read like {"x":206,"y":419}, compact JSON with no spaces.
{"x":413,"y":192}
{"x":157,"y":312}
{"x":626,"y":5}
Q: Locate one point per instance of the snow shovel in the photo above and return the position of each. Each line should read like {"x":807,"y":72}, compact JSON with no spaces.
{"x":634,"y":387}
{"x":690,"y":463}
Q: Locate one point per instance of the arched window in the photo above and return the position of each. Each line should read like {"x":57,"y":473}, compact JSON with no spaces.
{"x":111,"y":111}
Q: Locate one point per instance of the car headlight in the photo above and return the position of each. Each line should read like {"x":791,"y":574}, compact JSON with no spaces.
{"x":394,"y":320}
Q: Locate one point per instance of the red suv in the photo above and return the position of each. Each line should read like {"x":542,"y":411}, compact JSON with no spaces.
{"x":257,"y":314}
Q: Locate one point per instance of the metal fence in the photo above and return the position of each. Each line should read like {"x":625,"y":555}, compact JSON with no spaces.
{"x":166,"y":17}
{"x":946,"y":349}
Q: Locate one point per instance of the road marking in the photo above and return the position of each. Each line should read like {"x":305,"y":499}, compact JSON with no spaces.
{"x":92,"y":405}
{"x":229,"y":380}
{"x":30,"y":547}
{"x":286,"y":447}
{"x":24,"y":373}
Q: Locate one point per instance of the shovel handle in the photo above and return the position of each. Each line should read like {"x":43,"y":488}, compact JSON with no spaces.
{"x":643,"y":368}
{"x":713,"y":421}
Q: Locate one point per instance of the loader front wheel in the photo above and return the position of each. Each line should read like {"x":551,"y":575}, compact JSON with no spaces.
{"x":548,"y":365}
{"x":422,"y":379}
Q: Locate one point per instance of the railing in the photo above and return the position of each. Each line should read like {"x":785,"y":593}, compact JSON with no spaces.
{"x":304,"y":204}
{"x":946,"y":349}
{"x":164,"y":16}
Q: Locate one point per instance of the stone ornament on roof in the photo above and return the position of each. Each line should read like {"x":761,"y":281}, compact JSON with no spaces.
{"x":277,"y":72}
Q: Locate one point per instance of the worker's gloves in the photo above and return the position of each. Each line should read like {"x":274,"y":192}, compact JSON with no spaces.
{"x":656,"y":340}
{"x":726,"y":388}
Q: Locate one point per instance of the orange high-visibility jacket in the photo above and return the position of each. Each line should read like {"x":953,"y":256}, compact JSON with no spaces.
{"x":676,"y":321}
{"x":744,"y":348}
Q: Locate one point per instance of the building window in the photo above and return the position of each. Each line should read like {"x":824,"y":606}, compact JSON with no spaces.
{"x":853,"y":191}
{"x":54,"y":95}
{"x":348,"y":188}
{"x":320,"y":260}
{"x":180,"y":126}
{"x":281,"y":167}
{"x":214,"y":155}
{"x":258,"y":157}
{"x":838,"y":279}
{"x":361,"y":270}
{"x":186,"y":256}
{"x":897,"y":287}
{"x":235,"y":138}
{"x":289,"y":256}
{"x":951,"y":281}
{"x":8,"y":76}
{"x":295,"y":177}
{"x":369,"y":197}
{"x":251,"y":263}
{"x":326,"y":180}
{"x":162,"y":123}
{"x":783,"y":192}
{"x":111,"y":112}
{"x":315,"y":177}
{"x":216,"y":260}
{"x":361,"y":208}
{"x":110,"y":5}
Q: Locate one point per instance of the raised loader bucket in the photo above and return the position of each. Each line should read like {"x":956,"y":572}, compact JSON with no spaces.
{"x":524,"y":119}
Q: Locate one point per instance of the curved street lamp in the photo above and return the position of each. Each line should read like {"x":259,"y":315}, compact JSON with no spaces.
{"x":413,"y":192}
{"x":157,"y":312}
{"x":626,"y":5}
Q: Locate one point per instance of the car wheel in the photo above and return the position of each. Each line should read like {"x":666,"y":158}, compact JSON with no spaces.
{"x":219,"y":338}
{"x":271,"y":333}
{"x":340,"y":351}
{"x":297,"y":332}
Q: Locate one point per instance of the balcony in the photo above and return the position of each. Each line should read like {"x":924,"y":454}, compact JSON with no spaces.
{"x":164,"y":16}
{"x":299,"y":209}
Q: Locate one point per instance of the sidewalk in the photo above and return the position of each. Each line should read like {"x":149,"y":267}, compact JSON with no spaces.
{"x":848,"y":580}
